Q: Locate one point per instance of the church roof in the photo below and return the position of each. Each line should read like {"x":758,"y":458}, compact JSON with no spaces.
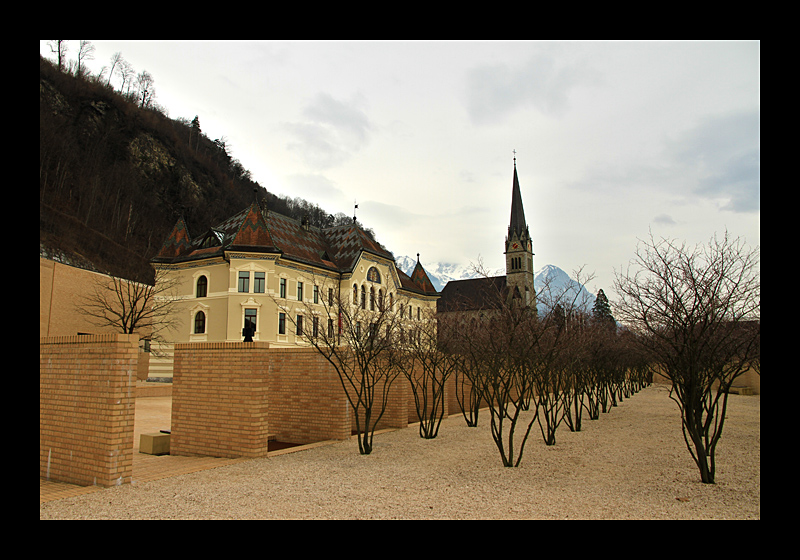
{"x":474,"y":294}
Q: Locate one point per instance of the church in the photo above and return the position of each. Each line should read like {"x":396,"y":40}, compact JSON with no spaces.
{"x":481,"y":294}
{"x":276,"y":277}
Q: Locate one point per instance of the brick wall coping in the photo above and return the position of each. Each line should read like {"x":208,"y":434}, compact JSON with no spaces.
{"x":91,"y":338}
{"x":221,"y":345}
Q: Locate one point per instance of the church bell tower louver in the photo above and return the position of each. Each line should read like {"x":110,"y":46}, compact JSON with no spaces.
{"x":519,"y":249}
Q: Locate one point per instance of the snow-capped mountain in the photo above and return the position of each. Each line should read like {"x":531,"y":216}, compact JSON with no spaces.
{"x":439,"y":273}
{"x":551,"y":282}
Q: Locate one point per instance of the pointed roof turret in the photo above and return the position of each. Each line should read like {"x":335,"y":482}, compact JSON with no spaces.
{"x":178,"y":241}
{"x":421,"y":279}
{"x":517,"y":223}
{"x":253,"y":231}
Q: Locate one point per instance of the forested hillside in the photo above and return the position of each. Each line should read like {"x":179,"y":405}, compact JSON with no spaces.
{"x":114,"y":177}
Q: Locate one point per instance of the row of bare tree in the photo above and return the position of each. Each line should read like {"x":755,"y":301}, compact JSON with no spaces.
{"x":691,"y":315}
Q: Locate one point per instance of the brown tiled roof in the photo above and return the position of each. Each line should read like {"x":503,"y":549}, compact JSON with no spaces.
{"x":335,"y":248}
{"x":420,"y":278}
{"x":177,"y":242}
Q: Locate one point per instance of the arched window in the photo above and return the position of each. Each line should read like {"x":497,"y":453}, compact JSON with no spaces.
{"x":380,"y":300}
{"x":202,"y":286}
{"x":200,"y":323}
{"x":373,"y":275}
{"x":372,"y":299}
{"x":363,"y":298}
{"x":355,"y":294}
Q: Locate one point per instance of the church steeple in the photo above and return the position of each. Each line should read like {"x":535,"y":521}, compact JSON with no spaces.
{"x":519,"y":247}
{"x":517,"y":225}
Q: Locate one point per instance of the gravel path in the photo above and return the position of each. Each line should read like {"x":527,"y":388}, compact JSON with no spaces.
{"x":632,"y":463}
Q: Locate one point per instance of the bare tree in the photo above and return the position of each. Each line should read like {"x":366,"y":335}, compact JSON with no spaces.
{"x":116,"y":59}
{"x":145,"y":84}
{"x":59,"y":46}
{"x":355,"y":338}
{"x":427,"y":368}
{"x":132,"y":307}
{"x":698,"y":311}
{"x":554,"y":353}
{"x":494,"y":344}
{"x":126,"y":73}
{"x":86,"y":52}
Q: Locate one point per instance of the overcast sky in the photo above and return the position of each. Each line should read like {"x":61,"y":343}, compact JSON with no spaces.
{"x":612,"y":139}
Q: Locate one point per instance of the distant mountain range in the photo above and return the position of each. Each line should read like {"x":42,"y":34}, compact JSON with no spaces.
{"x":556,"y":280}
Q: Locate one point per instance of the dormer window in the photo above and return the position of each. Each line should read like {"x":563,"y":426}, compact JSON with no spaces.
{"x":213,"y":239}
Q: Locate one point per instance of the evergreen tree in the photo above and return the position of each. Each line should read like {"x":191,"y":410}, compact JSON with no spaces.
{"x":602,"y":310}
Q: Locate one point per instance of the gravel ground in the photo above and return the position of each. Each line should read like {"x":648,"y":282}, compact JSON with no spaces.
{"x":631,"y":463}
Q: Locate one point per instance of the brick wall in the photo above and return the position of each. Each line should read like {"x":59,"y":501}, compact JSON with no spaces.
{"x":306,"y":400}
{"x":396,"y":414}
{"x":228,"y":398}
{"x":219,"y":399}
{"x":87,"y":408}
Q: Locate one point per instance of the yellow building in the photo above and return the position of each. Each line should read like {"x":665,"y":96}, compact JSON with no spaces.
{"x":278,"y":276}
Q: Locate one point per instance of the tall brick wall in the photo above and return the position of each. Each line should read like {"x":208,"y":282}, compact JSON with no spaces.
{"x":306,"y":400}
{"x":219,"y":399}
{"x":396,"y":414}
{"x":87,"y":408}
{"x":228,"y":398}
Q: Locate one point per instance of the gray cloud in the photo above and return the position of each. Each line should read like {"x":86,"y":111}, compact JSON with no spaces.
{"x":331,"y":132}
{"x":724,"y":153}
{"x":495,"y":91}
{"x":664,"y":219}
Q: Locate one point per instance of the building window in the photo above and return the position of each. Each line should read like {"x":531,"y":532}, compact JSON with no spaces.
{"x":281,"y":323}
{"x":299,"y":325}
{"x":299,"y":291}
{"x":283,"y":288}
{"x":373,"y":275}
{"x":259,"y":279}
{"x":418,"y":313}
{"x":316,"y":294}
{"x":244,"y":282}
{"x":363,"y":298}
{"x":200,"y":323}
{"x":315,"y":327}
{"x":330,"y":328}
{"x":372,"y":299}
{"x":355,"y":294}
{"x":202,"y":286}
{"x":250,"y":319}
{"x":330,"y":297}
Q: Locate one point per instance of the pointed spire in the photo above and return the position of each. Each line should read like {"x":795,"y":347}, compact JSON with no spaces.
{"x":517,"y":223}
{"x":421,"y":279}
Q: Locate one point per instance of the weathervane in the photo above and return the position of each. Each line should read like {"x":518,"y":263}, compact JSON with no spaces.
{"x":355,"y":207}
{"x":515,"y":157}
